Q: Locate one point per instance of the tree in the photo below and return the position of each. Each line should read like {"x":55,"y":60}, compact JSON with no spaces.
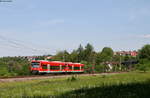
{"x":143,"y":68}
{"x":10,"y":66}
{"x":66,"y":56}
{"x":80,"y":49}
{"x":74,"y":56}
{"x":106,"y":55}
{"x":62,"y":56}
{"x":118,"y":58}
{"x":89,"y":48}
{"x":127,"y":57}
{"x":98,"y":58}
{"x":80,"y":52}
{"x":144,"y":53}
{"x":58,"y":56}
{"x":88,"y":53}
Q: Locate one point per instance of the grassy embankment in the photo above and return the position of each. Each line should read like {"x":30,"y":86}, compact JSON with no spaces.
{"x":127,"y":85}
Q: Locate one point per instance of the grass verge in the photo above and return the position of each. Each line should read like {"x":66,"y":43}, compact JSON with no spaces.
{"x":127,"y":85}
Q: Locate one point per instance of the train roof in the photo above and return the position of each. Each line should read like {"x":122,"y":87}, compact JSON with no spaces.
{"x":57,"y":62}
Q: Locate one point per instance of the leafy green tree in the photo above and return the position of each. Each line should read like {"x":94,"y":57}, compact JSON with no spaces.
{"x":106,"y":55}
{"x":127,"y":57}
{"x":118,"y":58}
{"x":74,"y":56}
{"x":89,"y":53}
{"x":80,"y":49}
{"x":144,"y":53}
{"x":62,"y":56}
{"x":143,"y":67}
{"x":59,"y":56}
{"x":80,"y":52}
{"x":66,"y":56}
{"x":10,"y":66}
{"x":98,"y":58}
{"x":87,"y":67}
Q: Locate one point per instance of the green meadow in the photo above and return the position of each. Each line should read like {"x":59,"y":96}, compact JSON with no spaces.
{"x":126,"y":85}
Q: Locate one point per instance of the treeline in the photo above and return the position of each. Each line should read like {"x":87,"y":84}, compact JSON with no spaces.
{"x":86,"y":54}
{"x":14,"y":66}
{"x":95,"y":61}
{"x":102,"y":61}
{"x":144,"y":58}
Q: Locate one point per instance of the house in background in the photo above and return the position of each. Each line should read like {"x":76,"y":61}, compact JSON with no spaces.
{"x":125,"y":53}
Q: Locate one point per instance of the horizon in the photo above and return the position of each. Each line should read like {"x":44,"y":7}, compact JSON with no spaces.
{"x":32,"y":27}
{"x":68,"y":52}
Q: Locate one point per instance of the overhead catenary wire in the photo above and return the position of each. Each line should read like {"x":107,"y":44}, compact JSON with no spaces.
{"x":20,"y":45}
{"x":16,"y":43}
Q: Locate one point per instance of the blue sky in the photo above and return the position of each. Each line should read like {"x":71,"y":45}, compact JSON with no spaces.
{"x":33,"y":27}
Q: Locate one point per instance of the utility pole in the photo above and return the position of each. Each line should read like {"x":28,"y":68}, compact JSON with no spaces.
{"x":64,"y":56}
{"x":93,"y":67}
{"x":120,"y":60}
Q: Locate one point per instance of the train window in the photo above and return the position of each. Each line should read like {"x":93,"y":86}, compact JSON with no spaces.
{"x":63,"y":67}
{"x":35,"y":64}
{"x":76,"y":68}
{"x":44,"y":66}
{"x":55,"y":67}
{"x":70,"y":67}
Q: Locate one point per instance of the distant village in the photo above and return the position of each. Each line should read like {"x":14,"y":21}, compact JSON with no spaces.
{"x":128,"y":53}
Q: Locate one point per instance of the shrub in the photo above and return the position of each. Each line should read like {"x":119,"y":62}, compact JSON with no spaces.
{"x":143,"y":67}
{"x":72,"y":78}
{"x":100,"y":68}
{"x":12,"y":66}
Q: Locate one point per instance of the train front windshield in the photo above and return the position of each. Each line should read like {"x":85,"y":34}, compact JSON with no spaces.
{"x":35,"y":64}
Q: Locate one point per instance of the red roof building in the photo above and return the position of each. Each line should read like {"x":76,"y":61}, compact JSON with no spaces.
{"x":124,"y":53}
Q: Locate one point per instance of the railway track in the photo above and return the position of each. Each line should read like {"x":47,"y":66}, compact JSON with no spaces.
{"x":49,"y":76}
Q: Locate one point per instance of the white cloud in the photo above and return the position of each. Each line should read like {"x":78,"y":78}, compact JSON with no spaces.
{"x":146,"y":36}
{"x":142,"y":36}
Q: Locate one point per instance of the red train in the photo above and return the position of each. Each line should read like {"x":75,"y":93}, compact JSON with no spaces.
{"x":42,"y":66}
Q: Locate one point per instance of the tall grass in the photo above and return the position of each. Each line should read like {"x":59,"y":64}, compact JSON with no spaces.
{"x":130,"y":85}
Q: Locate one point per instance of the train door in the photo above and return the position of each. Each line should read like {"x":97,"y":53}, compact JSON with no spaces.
{"x":66,"y":68}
